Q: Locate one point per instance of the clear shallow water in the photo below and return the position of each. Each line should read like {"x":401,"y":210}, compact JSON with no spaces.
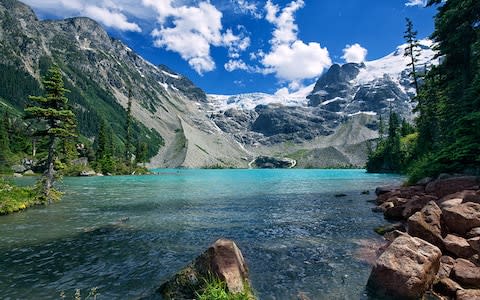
{"x":295,"y":234}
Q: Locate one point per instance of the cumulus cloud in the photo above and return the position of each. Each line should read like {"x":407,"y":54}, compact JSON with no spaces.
{"x":291,"y":59}
{"x":354,"y":53}
{"x":297,"y":61}
{"x":107,"y":12}
{"x":421,"y":3}
{"x":111,"y":19}
{"x":192,"y":30}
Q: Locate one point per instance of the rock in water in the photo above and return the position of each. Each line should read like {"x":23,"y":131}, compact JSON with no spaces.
{"x":223,"y":259}
{"x":406,"y":269}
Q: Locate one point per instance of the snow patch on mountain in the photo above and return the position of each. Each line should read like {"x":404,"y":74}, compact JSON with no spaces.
{"x":251,"y":100}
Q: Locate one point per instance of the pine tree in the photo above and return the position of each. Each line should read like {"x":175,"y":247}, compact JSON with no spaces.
{"x":4,"y":141}
{"x":128,"y":129}
{"x":412,"y":51}
{"x":57,"y":123}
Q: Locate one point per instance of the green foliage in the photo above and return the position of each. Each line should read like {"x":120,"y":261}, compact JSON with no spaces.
{"x":14,"y":198}
{"x":216,"y":289}
{"x":387,"y":156}
{"x":57,"y":122}
{"x":412,"y":51}
{"x":449,"y":102}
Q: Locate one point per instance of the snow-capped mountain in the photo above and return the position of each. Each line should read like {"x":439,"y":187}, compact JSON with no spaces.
{"x":340,"y":96}
{"x":342,"y":84}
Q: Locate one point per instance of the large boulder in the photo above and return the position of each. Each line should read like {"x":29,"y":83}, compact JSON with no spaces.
{"x":443,"y":187}
{"x":223,"y":260}
{"x":406,"y":269}
{"x":446,"y":266}
{"x":475,"y":243}
{"x":466,"y":273}
{"x":426,"y":225}
{"x":447,"y":287}
{"x":458,"y":246}
{"x":416,"y":204}
{"x":473,"y":233}
{"x":462,"y":218}
{"x":468,"y":295}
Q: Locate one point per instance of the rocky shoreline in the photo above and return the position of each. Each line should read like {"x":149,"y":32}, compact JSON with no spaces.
{"x":434,"y":249}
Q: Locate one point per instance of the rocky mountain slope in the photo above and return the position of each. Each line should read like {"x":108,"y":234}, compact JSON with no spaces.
{"x":328,"y":123}
{"x":100,"y":71}
{"x":324,"y":125}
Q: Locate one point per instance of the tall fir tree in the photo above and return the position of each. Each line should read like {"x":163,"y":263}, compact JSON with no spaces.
{"x":412,"y":51}
{"x":128,"y":131}
{"x":4,"y":141}
{"x":57,"y":123}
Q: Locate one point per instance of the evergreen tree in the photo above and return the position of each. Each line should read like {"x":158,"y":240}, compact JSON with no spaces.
{"x":141,"y":154}
{"x":412,"y":51}
{"x":128,"y":131}
{"x":104,"y":154}
{"x":4,"y":141}
{"x":58,"y":122}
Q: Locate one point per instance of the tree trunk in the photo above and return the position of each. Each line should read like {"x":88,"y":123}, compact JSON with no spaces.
{"x":49,"y":174}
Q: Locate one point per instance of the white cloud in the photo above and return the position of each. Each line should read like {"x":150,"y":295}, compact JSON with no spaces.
{"x":192,"y":30}
{"x":421,"y":3}
{"x":247,"y":7}
{"x":284,"y":21}
{"x":111,"y":19}
{"x":354,"y":53}
{"x":297,"y":61}
{"x":107,"y":12}
{"x":233,"y":65}
{"x":291,"y":59}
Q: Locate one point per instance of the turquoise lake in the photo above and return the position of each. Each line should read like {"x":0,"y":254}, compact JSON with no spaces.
{"x":296,"y":236}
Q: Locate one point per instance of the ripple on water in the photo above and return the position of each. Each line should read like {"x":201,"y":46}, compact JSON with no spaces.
{"x":296,"y":236}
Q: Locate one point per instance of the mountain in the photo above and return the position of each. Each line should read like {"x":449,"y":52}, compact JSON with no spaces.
{"x":323,"y":125}
{"x":100,"y":71}
{"x":327,"y":123}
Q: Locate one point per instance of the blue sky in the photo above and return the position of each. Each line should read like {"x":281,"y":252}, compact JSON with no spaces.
{"x":229,"y":47}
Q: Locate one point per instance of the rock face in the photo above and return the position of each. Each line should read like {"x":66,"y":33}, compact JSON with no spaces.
{"x":223,"y":259}
{"x":265,"y":162}
{"x":443,"y":187}
{"x":462,"y":218}
{"x":406,"y":269}
{"x":425,"y":224}
{"x":466,"y":273}
{"x":458,"y":246}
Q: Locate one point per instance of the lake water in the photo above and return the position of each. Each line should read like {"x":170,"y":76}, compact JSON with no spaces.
{"x":296,"y":236}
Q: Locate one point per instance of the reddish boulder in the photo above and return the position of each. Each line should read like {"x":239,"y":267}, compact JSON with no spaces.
{"x":446,"y":266}
{"x":475,"y":243}
{"x":425,"y":224}
{"x":406,"y":269}
{"x":443,"y":187}
{"x":416,"y":204}
{"x":466,"y":273}
{"x":447,"y":287}
{"x":473,"y":233}
{"x":383,"y":207}
{"x":223,"y":259}
{"x":458,"y":246}
{"x":461,"y":218}
{"x":468,"y":295}
{"x":474,"y":197}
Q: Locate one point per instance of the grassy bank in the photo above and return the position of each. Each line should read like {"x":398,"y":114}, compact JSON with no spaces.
{"x":14,"y":198}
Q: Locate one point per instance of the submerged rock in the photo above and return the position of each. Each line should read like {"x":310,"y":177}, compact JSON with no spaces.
{"x":406,"y":269}
{"x":222,"y":260}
